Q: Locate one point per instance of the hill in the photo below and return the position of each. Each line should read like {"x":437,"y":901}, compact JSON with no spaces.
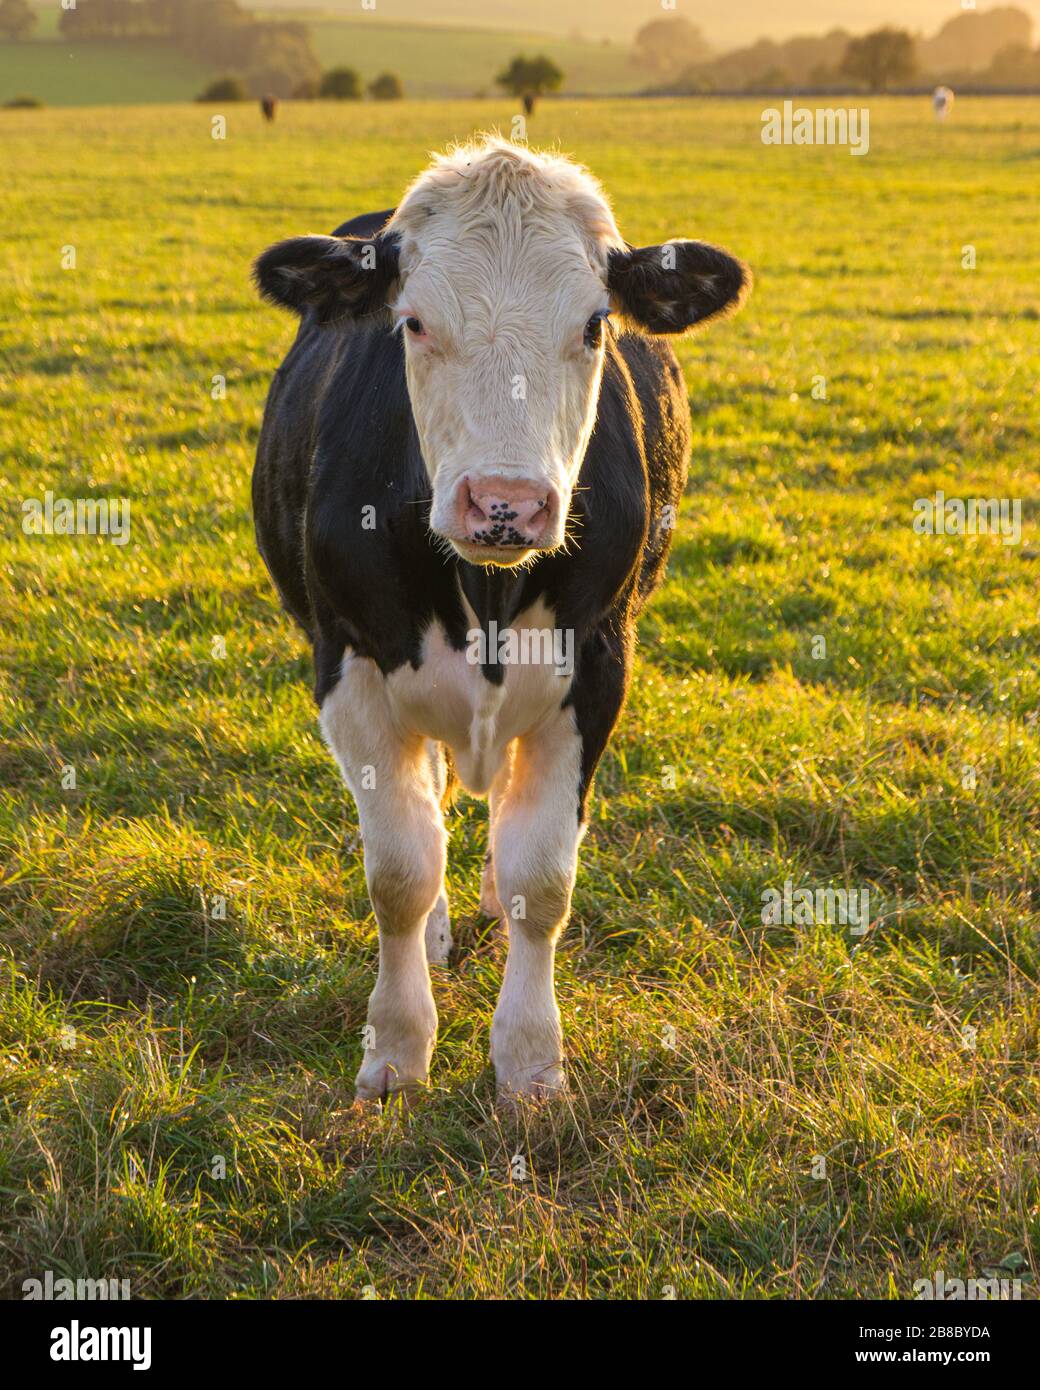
{"x":432,"y":61}
{"x":435,"y":61}
{"x":110,"y":72}
{"x":454,"y":59}
{"x":970,"y":42}
{"x":723,"y":23}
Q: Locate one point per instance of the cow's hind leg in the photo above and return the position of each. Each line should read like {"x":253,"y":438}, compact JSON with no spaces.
{"x":394,"y":785}
{"x":536,"y":833}
{"x":438,"y":924}
{"x":489,"y":900}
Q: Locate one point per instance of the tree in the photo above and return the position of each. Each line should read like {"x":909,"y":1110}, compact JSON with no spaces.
{"x":776,"y":79}
{"x":341,"y":84}
{"x":969,"y":42}
{"x":277,"y":58}
{"x":800,"y":60}
{"x":667,"y":46}
{"x":17,"y":18}
{"x":106,"y":19}
{"x":529,"y":78}
{"x":203,"y":28}
{"x":124,"y":17}
{"x":163,"y":15}
{"x":1015,"y":64}
{"x":90,"y":22}
{"x":880,"y":58}
{"x":224,"y":89}
{"x":386,"y":87}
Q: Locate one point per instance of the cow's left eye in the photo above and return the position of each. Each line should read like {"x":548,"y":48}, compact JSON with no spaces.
{"x":594,"y":328}
{"x":414,"y":326}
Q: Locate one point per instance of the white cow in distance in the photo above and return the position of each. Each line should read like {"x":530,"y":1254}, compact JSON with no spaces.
{"x":942,"y":102}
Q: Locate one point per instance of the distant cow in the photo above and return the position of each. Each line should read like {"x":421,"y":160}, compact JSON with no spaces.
{"x":465,"y":490}
{"x":269,"y":106}
{"x":529,"y":103}
{"x":942,"y":102}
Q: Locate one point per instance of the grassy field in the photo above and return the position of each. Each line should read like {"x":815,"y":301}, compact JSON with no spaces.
{"x":129,"y":71}
{"x":760,"y":1111}
{"x":431,"y":60}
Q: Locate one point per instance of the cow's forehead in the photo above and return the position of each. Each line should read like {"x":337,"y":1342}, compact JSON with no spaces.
{"x":507,"y":202}
{"x":471,"y":272}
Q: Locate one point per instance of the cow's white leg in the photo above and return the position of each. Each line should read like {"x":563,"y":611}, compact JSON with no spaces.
{"x":438,"y":924}
{"x":393,"y":783}
{"x":438,"y":932}
{"x":489,"y":900}
{"x":535,"y":846}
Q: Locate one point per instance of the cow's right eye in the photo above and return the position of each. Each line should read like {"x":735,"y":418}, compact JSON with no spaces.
{"x":414,"y":326}
{"x":594,"y":328}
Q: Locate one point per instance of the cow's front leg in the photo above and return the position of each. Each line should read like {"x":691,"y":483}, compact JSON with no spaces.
{"x":394,"y":785}
{"x":536,"y":834}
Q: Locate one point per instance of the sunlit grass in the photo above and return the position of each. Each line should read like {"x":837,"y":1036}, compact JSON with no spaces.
{"x":187,"y":945}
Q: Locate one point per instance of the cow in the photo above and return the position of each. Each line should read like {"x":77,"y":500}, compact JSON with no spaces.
{"x":465,"y":487}
{"x":269,"y":107}
{"x":942,"y":102}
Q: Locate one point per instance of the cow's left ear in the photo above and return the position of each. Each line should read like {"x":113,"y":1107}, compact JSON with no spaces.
{"x":669,"y":288}
{"x":337,"y":277}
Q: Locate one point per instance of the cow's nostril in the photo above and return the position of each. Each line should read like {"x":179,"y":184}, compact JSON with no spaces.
{"x":504,"y":512}
{"x":473,"y":507}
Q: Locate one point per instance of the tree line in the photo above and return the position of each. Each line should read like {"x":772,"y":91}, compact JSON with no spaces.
{"x":985,"y":47}
{"x":260,"y":57}
{"x":273,"y":56}
{"x":526,"y":78}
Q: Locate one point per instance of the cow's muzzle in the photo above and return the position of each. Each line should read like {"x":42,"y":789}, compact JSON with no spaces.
{"x":498,"y":520}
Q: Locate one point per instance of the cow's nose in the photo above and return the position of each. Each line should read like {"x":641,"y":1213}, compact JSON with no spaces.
{"x":505,"y":511}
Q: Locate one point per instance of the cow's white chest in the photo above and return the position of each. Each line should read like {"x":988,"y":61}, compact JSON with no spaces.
{"x":449,"y":699}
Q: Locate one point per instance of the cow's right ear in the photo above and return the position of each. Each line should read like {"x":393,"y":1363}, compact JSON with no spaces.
{"x":339,"y":277}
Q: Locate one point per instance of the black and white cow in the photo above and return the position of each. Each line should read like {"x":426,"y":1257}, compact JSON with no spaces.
{"x":464,"y":491}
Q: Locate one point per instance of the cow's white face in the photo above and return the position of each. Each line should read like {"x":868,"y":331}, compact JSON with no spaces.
{"x":500,"y":267}
{"x":502,"y":304}
{"x":503,"y":327}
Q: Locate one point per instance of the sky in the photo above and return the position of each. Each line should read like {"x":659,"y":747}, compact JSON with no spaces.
{"x":725,"y":23}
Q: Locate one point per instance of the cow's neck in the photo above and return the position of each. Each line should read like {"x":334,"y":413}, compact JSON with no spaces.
{"x":496,"y":595}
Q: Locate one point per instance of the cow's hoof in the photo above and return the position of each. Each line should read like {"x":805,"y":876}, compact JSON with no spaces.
{"x":489,"y":903}
{"x":533,"y":1085}
{"x":438,"y":933}
{"x":381,"y":1081}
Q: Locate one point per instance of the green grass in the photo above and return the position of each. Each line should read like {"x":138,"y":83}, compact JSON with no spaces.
{"x":142,"y":1035}
{"x":128,"y":71}
{"x":431,"y":60}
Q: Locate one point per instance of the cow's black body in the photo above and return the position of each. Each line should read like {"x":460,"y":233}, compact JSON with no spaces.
{"x":338,"y":438}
